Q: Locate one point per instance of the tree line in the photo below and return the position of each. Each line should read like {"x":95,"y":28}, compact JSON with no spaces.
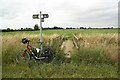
{"x":36,"y":27}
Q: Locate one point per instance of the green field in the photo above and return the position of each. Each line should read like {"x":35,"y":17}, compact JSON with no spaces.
{"x":95,"y":58}
{"x":67,"y":32}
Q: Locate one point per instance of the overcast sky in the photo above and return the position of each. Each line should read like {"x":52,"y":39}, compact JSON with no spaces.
{"x":63,"y":13}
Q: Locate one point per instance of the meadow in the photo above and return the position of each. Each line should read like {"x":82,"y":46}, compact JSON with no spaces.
{"x":95,"y":57}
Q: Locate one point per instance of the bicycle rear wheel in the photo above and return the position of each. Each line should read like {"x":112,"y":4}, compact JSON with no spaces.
{"x":23,"y":57}
{"x":48,"y":54}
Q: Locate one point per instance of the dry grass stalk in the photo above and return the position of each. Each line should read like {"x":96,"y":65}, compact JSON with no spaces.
{"x":108,"y":43}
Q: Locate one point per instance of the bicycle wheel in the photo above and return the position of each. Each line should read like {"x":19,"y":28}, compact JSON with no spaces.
{"x":48,"y":54}
{"x":23,"y":56}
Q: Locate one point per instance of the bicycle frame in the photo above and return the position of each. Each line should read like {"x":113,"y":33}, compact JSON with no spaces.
{"x":28,"y":48}
{"x":30,"y":52}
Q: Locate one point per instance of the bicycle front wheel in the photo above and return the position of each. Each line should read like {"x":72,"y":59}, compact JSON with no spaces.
{"x":23,"y":56}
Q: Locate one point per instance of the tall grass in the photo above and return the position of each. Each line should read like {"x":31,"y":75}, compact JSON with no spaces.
{"x":107,"y":44}
{"x":89,"y":61}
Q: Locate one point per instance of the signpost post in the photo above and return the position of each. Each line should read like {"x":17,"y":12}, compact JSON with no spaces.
{"x":42,"y":16}
{"x":41,"y":47}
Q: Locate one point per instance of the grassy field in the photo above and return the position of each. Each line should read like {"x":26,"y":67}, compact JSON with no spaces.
{"x":67,"y":32}
{"x":96,"y":56}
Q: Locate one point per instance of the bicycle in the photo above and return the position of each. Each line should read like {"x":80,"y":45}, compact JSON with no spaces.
{"x":30,"y":52}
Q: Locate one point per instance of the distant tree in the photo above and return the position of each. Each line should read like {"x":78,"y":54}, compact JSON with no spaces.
{"x":21,"y":29}
{"x":69,"y":28}
{"x":81,"y":27}
{"x":55,"y":27}
{"x":36,"y":27}
{"x":8,"y":29}
{"x":89,"y":28}
{"x":28,"y":29}
{"x":111,"y":27}
{"x":47,"y":28}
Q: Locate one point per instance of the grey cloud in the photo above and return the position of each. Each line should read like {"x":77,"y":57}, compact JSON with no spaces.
{"x":8,"y":14}
{"x":101,"y":15}
{"x":9,"y":10}
{"x":61,"y":12}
